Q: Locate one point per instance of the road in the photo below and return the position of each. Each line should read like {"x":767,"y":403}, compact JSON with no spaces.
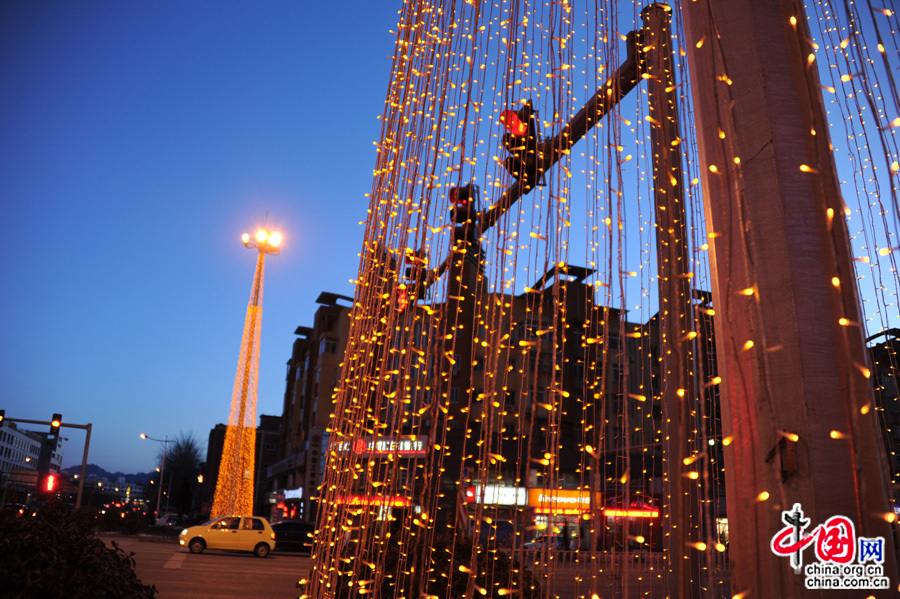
{"x":180,"y":574}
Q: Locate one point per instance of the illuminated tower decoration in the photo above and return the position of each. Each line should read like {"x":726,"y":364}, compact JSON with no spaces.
{"x":234,"y":487}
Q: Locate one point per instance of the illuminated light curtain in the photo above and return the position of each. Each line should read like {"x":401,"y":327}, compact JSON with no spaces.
{"x":234,"y":486}
{"x":516,"y":381}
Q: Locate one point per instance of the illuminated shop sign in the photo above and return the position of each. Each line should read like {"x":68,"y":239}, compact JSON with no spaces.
{"x":384,"y":445}
{"x":561,"y":501}
{"x":616,"y":512}
{"x":373,"y":500}
{"x":293,"y":493}
{"x":497,"y":495}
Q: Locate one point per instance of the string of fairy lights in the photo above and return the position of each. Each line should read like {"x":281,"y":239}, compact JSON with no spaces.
{"x":521,"y":362}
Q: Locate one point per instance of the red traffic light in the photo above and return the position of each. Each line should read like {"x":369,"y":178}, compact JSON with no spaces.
{"x":402,"y":297}
{"x":513,"y":123}
{"x":459,"y":196}
{"x":50,"y":483}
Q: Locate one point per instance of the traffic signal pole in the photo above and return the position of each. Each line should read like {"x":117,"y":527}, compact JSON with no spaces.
{"x":551,"y":150}
{"x":87,"y":444}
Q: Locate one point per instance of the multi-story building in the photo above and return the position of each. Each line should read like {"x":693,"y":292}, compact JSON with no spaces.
{"x":313,"y":374}
{"x":522,"y":364}
{"x":20,"y":452}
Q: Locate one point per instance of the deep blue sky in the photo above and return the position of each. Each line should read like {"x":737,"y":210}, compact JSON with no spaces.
{"x":138,"y":140}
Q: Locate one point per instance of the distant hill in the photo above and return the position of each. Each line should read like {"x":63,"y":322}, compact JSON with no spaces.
{"x":95,"y":470}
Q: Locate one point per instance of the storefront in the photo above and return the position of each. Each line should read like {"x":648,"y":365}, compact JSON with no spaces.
{"x":565,"y":513}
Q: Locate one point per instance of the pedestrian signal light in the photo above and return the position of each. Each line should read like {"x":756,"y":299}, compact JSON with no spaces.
{"x":50,"y":483}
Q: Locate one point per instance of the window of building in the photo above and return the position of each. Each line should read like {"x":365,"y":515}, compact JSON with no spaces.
{"x":328,"y":345}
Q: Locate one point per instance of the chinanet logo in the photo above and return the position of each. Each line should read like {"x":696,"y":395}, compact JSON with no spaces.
{"x":844,"y":561}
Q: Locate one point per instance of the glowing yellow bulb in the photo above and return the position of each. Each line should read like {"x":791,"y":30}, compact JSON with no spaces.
{"x":835,"y":281}
{"x":245,"y":238}
{"x":762,"y":496}
{"x":807,"y":169}
{"x":748,"y":344}
{"x":713,"y":168}
{"x":680,"y":393}
{"x":791,"y":436}
{"x":843,"y":322}
{"x":720,"y":547}
{"x":727,"y":441}
{"x":793,"y":21}
{"x":836,"y":435}
{"x":890,"y":517}
{"x":262,"y":235}
{"x":275,"y":239}
{"x":747,"y":291}
{"x":693,"y":475}
{"x":865,"y":409}
{"x":701,"y":546}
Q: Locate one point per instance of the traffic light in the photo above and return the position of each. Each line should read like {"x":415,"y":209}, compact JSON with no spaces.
{"x":462,"y":202}
{"x":2,"y":415}
{"x":521,"y":141}
{"x":50,"y":483}
{"x":54,"y":424}
{"x":402,"y":297}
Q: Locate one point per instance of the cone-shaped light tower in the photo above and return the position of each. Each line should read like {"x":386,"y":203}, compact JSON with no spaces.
{"x":234,"y":487}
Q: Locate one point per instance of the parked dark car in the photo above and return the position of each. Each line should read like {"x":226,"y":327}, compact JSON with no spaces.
{"x":291,"y":535}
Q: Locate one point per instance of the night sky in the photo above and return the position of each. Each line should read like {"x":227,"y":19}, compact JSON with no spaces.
{"x":138,"y":140}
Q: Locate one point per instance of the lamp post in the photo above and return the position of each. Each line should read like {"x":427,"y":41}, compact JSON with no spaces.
{"x":162,"y":468}
{"x":234,"y":486}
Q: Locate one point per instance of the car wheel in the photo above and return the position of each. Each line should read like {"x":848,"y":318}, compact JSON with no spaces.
{"x":197,"y":545}
{"x":261,"y":550}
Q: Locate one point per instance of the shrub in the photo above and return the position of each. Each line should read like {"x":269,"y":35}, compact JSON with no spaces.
{"x":53,"y":553}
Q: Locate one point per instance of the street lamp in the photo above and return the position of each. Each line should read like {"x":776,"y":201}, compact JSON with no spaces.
{"x":165,"y":443}
{"x":267,"y":242}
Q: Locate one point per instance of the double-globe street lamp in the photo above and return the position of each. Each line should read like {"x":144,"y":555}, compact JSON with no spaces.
{"x":162,"y":468}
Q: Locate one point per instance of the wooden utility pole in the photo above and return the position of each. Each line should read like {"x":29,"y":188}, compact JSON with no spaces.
{"x":796,"y":397}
